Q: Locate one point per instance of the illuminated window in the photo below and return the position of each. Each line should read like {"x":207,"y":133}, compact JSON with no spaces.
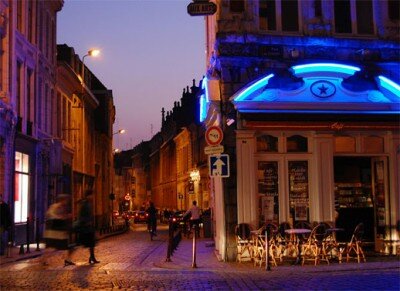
{"x":297,"y":143}
{"x":267,"y":143}
{"x":345,"y":144}
{"x":21,"y":199}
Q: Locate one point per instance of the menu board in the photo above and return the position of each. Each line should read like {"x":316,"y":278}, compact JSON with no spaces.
{"x":298,"y":182}
{"x":268,"y":191}
{"x":268,"y":178}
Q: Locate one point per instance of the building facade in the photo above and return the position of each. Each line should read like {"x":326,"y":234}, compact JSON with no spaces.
{"x":307,"y":93}
{"x":28,"y":78}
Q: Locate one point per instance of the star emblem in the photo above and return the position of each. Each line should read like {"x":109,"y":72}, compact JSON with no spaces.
{"x":323,"y":89}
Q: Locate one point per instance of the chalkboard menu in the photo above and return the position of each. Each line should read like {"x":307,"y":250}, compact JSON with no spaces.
{"x":268,"y":191}
{"x":298,"y":189}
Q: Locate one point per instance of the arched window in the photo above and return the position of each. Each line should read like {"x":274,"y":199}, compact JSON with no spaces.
{"x":267,"y":143}
{"x":297,"y":143}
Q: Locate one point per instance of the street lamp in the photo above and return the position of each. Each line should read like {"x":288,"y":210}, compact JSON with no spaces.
{"x":120,"y":131}
{"x":90,"y":53}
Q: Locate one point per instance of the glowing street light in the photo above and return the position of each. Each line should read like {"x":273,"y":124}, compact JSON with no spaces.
{"x":90,"y":53}
{"x":120,"y":131}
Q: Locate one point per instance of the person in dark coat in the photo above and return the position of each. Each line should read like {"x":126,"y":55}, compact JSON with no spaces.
{"x":85,"y":226}
{"x":152,"y":220}
{"x":5,"y":223}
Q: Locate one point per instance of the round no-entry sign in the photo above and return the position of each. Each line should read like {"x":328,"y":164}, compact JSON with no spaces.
{"x":214,"y":135}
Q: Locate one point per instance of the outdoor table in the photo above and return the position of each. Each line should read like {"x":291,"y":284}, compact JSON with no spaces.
{"x":298,"y":232}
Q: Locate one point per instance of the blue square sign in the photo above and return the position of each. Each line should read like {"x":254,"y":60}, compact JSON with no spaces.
{"x":219,"y":165}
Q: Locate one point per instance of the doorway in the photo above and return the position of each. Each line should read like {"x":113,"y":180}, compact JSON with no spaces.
{"x":354,"y":197}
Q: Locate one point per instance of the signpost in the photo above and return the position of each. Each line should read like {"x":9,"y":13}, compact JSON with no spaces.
{"x":219,"y":165}
{"x":214,"y":135}
{"x":201,"y":8}
{"x":214,"y":150}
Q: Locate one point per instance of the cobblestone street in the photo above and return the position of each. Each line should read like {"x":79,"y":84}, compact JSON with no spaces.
{"x":132,"y":261}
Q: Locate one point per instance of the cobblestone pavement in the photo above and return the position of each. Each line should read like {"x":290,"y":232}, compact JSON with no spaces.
{"x":131,"y":261}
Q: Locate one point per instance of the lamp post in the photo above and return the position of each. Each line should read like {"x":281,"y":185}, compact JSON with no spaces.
{"x":120,"y":131}
{"x":90,"y":53}
{"x":195,"y":178}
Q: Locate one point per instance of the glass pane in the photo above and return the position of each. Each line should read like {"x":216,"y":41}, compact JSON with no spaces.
{"x":25,"y":163}
{"x":342,"y":16}
{"x":267,"y":143}
{"x":297,"y":143}
{"x":365,"y":21}
{"x":290,"y":16}
{"x":298,"y":191}
{"x":268,"y":191}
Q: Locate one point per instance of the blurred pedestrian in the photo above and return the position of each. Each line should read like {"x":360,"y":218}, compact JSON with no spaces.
{"x":5,"y":223}
{"x":194,"y":213}
{"x":84,"y":226}
{"x":58,"y":226}
{"x":152,"y":220}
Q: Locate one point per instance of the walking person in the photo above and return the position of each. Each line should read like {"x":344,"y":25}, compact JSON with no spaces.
{"x":85,"y":225}
{"x":195,"y":219}
{"x":58,"y":227}
{"x":152,"y":220}
{"x":5,"y":223}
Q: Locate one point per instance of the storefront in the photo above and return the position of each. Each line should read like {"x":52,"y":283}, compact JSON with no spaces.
{"x":318,"y":148}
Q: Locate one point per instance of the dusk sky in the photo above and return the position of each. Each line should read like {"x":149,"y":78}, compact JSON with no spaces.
{"x":150,"y":51}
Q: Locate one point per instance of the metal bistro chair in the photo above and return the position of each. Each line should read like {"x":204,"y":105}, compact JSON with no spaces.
{"x":283,"y":241}
{"x":354,"y":249}
{"x":244,"y":242}
{"x":260,"y":245}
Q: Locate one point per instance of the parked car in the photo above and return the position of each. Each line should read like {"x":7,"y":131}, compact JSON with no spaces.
{"x":178,"y":220}
{"x":141,"y":216}
{"x":128,"y":215}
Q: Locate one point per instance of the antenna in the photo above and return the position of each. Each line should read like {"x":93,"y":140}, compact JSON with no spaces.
{"x":151,"y":130}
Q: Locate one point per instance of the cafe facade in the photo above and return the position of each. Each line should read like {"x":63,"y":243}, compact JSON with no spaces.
{"x":318,"y":142}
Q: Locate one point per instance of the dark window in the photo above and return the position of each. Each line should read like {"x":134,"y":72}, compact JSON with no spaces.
{"x":394,"y":9}
{"x":342,"y":16}
{"x":365,"y":22}
{"x":267,"y":14}
{"x":237,"y":6}
{"x":267,"y":143}
{"x":317,"y":8}
{"x":290,"y":16}
{"x":297,"y":143}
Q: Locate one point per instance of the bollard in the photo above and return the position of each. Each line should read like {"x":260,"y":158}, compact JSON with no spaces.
{"x":37,"y":235}
{"x":194,"y":247}
{"x":28,"y":228}
{"x":21,"y":249}
{"x":170,"y":239}
{"x":267,"y":266}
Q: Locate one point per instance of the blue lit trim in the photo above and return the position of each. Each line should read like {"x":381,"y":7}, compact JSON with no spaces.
{"x":204,"y":100}
{"x":320,"y":111}
{"x":389,"y":85}
{"x":325,"y":67}
{"x":254,"y":87}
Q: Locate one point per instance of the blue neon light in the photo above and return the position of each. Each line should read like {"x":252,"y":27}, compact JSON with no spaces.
{"x":325,"y":67}
{"x":254,"y":87}
{"x":389,"y":85}
{"x":204,"y":100}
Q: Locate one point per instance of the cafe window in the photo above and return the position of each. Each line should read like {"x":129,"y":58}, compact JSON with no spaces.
{"x":21,"y":198}
{"x":345,"y":144}
{"x":267,"y":143}
{"x":373,"y":144}
{"x":297,"y":143}
{"x":268,"y":192}
{"x":298,"y":191}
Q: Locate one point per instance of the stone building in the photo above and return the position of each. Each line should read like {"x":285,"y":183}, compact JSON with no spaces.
{"x":307,"y":94}
{"x":28,"y":156}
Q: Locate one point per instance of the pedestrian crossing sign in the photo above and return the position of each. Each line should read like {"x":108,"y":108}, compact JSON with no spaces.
{"x":218,"y":165}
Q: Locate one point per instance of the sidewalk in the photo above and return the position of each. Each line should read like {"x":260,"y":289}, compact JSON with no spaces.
{"x":182,"y":259}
